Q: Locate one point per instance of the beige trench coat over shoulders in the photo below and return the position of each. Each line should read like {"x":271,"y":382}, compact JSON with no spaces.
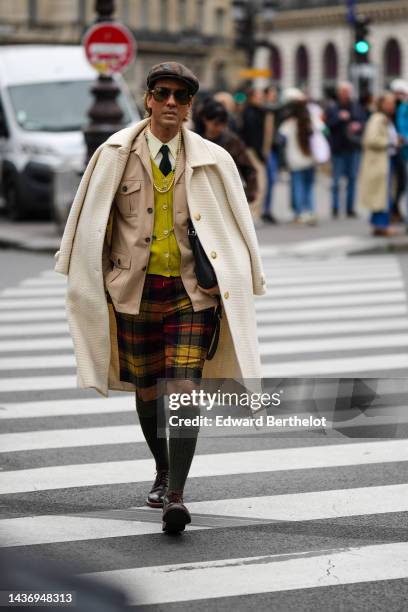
{"x":221,"y":216}
{"x":372,"y":189}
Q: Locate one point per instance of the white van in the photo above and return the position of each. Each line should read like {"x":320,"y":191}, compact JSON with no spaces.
{"x":44,"y":100}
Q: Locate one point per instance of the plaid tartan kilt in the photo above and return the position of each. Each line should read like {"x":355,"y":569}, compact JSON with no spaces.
{"x":167,"y":339}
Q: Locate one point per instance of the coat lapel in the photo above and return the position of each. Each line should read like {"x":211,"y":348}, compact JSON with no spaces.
{"x":197,"y":151}
{"x":141,"y":149}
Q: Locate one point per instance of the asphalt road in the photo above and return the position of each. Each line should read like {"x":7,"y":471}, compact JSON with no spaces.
{"x":311,"y":521}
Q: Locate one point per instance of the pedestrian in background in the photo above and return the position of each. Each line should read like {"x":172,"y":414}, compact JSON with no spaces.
{"x":227,"y":100}
{"x":272,"y":160}
{"x":380,"y":144}
{"x":345,"y":120}
{"x":214,"y":118}
{"x":298,"y":130}
{"x":399,"y":87}
{"x":402,"y":129}
{"x":136,"y":311}
{"x":258,"y":143}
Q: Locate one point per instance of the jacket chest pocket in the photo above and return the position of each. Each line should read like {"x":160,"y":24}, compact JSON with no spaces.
{"x":128,"y":198}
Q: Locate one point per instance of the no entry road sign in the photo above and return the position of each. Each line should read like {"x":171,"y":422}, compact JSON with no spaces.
{"x":109,"y":47}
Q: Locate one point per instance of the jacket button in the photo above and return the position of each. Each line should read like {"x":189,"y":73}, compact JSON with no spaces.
{"x":226,"y":295}
{"x":263,"y":281}
{"x":144,"y":268}
{"x":213,"y":254}
{"x":124,"y":188}
{"x":150,"y":210}
{"x":197,"y":216}
{"x":118,"y":262}
{"x":147,"y":239}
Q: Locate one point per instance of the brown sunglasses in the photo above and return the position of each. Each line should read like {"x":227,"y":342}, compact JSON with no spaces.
{"x":181,"y":96}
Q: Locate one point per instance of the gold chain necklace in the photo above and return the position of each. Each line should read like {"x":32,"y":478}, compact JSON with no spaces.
{"x":166,"y":186}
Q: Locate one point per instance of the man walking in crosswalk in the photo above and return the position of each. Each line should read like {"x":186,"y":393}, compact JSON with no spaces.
{"x":137,"y":313}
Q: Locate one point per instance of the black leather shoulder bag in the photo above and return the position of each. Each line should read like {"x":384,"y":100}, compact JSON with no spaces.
{"x":207,"y":279}
{"x":203,"y":269}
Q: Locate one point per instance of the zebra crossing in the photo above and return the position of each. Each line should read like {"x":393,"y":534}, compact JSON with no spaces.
{"x":341,"y":316}
{"x":268,"y":514}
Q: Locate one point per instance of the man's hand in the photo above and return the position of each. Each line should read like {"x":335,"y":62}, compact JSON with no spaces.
{"x":212,"y":291}
{"x":355,"y":126}
{"x":344,"y":115}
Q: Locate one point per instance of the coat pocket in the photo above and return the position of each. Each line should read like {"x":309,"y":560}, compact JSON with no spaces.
{"x":120,"y":261}
{"x":128,"y":197}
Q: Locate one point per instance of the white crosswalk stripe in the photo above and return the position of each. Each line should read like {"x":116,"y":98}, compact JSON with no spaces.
{"x":24,"y":410}
{"x":318,"y":319}
{"x":28,"y":329}
{"x":271,"y":303}
{"x":267,"y":574}
{"x":337,"y":327}
{"x":33,"y":315}
{"x":293,"y":507}
{"x":221,"y":464}
{"x":33,"y":291}
{"x":9,"y":346}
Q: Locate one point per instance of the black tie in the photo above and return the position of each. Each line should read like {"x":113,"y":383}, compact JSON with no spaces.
{"x":165,"y":164}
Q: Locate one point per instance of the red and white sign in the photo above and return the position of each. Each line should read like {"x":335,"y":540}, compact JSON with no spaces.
{"x":109,"y":47}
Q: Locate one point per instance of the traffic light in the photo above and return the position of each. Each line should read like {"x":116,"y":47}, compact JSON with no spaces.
{"x":243,"y":23}
{"x":361,"y":42}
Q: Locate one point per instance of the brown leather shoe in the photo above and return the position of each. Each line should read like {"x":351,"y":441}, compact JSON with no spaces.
{"x":159,"y":489}
{"x":175,"y":514}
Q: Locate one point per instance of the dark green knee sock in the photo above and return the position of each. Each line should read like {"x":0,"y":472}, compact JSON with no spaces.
{"x":147,"y":412}
{"x":182,"y":444}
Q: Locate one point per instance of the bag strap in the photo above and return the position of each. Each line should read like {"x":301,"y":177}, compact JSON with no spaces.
{"x":216,"y":334}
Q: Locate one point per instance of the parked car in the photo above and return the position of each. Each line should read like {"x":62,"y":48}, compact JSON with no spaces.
{"x":44,"y":99}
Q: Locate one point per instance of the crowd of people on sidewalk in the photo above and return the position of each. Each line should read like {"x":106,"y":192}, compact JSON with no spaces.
{"x":363,"y":144}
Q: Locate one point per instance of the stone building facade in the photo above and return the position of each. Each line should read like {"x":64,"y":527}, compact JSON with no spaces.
{"x":310,"y":43}
{"x":197,"y":32}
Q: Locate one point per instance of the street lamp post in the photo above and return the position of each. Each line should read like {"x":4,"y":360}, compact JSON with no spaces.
{"x":105,"y":113}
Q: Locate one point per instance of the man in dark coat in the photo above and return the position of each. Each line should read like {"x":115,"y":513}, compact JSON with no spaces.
{"x":345,"y":119}
{"x":214,"y":119}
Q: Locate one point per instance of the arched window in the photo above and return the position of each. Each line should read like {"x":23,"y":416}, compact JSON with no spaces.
{"x":330,"y":70}
{"x":276,"y":65}
{"x":392,"y":61}
{"x":302,"y":67}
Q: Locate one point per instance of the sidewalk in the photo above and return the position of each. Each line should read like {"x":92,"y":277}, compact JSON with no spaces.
{"x":39,"y":236}
{"x":331,"y":237}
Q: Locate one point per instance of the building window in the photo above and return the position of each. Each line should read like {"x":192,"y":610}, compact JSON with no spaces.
{"x":124,"y":11}
{"x":32,"y":12}
{"x":392,"y":61}
{"x":164,"y":15}
{"x":200,"y":15}
{"x":330,"y":70}
{"x":302,"y":67}
{"x":276,"y":65}
{"x":182,"y":14}
{"x":81,"y":12}
{"x":219,"y":28}
{"x":144,"y":14}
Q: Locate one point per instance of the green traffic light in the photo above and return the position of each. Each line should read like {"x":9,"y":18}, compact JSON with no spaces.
{"x":362,"y":47}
